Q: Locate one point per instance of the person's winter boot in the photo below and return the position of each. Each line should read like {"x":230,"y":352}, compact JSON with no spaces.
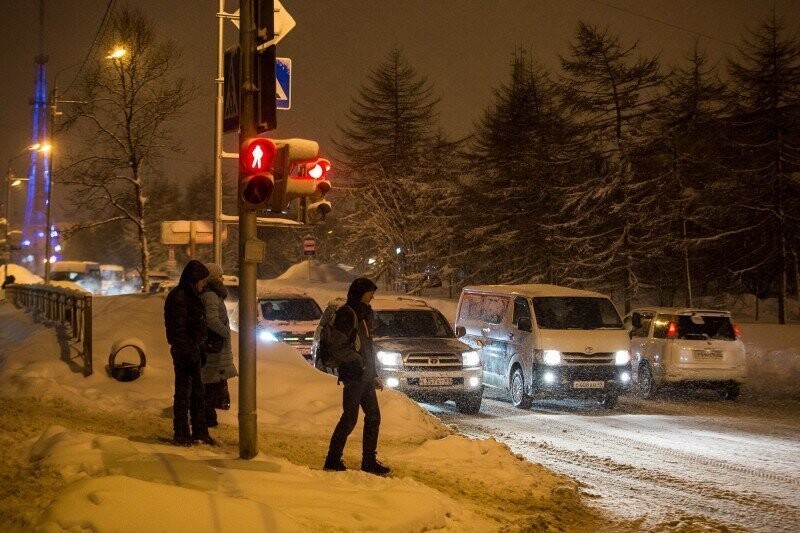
{"x":205,"y":438}
{"x":334,"y":464}
{"x":182,"y":440}
{"x":373,"y":466}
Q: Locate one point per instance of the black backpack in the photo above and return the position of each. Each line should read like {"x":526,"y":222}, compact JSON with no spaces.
{"x":325,"y":358}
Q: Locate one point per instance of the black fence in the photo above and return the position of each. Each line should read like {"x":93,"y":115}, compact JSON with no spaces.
{"x":69,"y":311}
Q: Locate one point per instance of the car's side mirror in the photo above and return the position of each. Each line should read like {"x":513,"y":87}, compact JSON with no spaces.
{"x":461,"y":331}
{"x":524,"y":324}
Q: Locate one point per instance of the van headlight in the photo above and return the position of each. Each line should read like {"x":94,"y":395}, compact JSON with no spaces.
{"x":470,"y":358}
{"x":622,"y":357}
{"x":551,"y":357}
{"x":388,"y":358}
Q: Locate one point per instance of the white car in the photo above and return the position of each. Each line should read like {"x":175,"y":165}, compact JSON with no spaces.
{"x":690,"y":347}
{"x":284,"y":316}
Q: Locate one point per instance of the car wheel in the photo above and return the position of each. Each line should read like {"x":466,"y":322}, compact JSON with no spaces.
{"x":469,"y":403}
{"x":731,"y":392}
{"x":519,"y":399}
{"x":647,"y":387}
{"x":609,"y":401}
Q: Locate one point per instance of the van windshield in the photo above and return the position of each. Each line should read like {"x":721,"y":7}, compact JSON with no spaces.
{"x":576,"y":312}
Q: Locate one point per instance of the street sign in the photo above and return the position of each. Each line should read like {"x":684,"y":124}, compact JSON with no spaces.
{"x":189,"y":232}
{"x":283,"y":83}
{"x":309,"y":246}
{"x":231,"y":87}
{"x":284,"y":23}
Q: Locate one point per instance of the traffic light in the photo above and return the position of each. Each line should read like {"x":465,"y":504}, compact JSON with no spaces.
{"x":290,"y":157}
{"x":319,"y":207}
{"x":256,"y":182}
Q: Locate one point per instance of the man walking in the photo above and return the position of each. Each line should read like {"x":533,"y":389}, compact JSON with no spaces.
{"x":351,"y":343}
{"x":185,"y":322}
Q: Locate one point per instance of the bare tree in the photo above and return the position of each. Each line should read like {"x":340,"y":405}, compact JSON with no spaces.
{"x":127,"y":104}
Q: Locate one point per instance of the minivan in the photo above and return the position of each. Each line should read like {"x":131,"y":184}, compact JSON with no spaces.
{"x":418,"y":353}
{"x":85,"y":274}
{"x":540,"y":341}
{"x":687,"y":347}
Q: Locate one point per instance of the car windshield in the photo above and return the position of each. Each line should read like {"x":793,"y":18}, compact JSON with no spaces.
{"x":294,"y":309}
{"x":705,"y":327}
{"x":576,"y":312}
{"x":412,"y":323}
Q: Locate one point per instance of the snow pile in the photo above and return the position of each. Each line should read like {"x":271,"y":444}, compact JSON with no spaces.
{"x":317,"y":272}
{"x":442,"y":481}
{"x":773,"y":359}
{"x":20,"y":273}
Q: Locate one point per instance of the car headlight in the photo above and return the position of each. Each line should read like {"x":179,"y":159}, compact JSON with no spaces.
{"x":390,"y":358}
{"x":267,"y":336}
{"x":622,"y":357}
{"x":551,"y":357}
{"x":470,"y":358}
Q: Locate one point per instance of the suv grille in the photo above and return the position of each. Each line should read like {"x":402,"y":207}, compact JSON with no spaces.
{"x":438,"y":361}
{"x":578,"y":358}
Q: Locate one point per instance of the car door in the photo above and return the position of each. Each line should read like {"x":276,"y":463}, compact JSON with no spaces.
{"x":520,"y":341}
{"x":495,"y":319}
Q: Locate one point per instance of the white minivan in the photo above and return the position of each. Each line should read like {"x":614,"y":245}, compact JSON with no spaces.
{"x":687,"y":347}
{"x":546,"y":341}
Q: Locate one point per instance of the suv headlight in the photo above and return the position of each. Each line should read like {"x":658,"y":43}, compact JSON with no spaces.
{"x":551,"y":357}
{"x":390,"y":358}
{"x":470,"y":358}
{"x":267,"y":336}
{"x":622,"y":357}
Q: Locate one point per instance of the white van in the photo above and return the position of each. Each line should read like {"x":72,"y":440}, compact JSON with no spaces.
{"x":112,"y":279}
{"x":686,"y":347}
{"x":85,"y":274}
{"x":545,"y":341}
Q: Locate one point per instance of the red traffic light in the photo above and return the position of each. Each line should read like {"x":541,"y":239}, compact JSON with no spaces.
{"x":256,"y":155}
{"x":319,"y":168}
{"x":257,"y":189}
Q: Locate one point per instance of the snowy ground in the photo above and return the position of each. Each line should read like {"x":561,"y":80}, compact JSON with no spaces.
{"x":91,"y":453}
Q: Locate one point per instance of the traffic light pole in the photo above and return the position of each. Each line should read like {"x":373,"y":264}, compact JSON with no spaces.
{"x":249,"y":246}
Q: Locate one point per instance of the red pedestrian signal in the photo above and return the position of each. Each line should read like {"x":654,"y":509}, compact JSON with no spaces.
{"x":255,"y":173}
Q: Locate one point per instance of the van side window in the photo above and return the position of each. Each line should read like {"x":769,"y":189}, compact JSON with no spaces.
{"x":644,"y":329}
{"x":494,"y":309}
{"x":661,"y":326}
{"x":521,"y":309}
{"x":470,"y":307}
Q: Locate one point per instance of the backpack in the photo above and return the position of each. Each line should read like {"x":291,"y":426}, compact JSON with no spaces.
{"x":325,"y":358}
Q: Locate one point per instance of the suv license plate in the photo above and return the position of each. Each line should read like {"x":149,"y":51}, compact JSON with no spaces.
{"x":435,"y":382}
{"x":588,"y":384}
{"x":707,"y":354}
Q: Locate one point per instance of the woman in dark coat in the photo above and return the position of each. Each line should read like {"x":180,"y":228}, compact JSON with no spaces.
{"x":219,"y":366}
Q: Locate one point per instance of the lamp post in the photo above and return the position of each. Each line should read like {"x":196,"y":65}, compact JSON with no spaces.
{"x":9,"y":176}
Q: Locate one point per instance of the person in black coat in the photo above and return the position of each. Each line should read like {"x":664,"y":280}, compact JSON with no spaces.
{"x":185,"y":322}
{"x":351,"y":343}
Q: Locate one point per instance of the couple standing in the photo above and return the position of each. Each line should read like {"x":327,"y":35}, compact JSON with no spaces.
{"x":194,"y":311}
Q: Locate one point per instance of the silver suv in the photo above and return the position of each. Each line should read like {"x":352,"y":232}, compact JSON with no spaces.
{"x":418,"y":353}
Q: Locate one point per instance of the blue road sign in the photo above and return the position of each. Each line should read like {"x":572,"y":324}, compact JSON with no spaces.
{"x":283,"y":83}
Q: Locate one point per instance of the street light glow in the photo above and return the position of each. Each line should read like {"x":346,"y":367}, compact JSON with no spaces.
{"x":118,"y":53}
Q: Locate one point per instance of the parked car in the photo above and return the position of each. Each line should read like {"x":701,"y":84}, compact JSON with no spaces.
{"x":545,"y":341}
{"x":418,"y":353}
{"x":284,"y":316}
{"x":112,"y":279}
{"x":689,"y":347}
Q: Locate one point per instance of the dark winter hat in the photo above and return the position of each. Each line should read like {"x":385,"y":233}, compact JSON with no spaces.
{"x":193,"y":272}
{"x":359,"y":288}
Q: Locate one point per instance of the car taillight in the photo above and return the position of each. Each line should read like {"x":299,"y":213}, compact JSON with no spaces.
{"x":672,"y":330}
{"x":737,"y":332}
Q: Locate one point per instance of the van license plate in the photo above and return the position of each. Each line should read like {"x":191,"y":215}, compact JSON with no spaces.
{"x":435,"y":382}
{"x":588,"y":384}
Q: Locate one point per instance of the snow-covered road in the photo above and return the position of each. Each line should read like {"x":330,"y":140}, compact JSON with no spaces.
{"x":678,"y":462}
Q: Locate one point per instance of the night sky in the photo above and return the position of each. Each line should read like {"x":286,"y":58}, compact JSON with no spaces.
{"x":462,"y":46}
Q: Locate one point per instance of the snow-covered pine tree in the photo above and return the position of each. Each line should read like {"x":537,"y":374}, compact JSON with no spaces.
{"x":517,"y":159}
{"x":386,"y":151}
{"x":765,"y":89}
{"x":613,"y":230}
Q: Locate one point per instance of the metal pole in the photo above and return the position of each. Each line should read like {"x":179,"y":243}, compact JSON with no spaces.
{"x":220,"y":81}
{"x":8,"y":215}
{"x":49,"y":183}
{"x":248,"y":242}
{"x":686,"y":264}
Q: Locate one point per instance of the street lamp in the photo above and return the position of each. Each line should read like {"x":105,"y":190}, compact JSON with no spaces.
{"x":17,"y":181}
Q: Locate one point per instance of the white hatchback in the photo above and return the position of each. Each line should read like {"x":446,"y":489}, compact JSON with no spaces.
{"x":689,"y":347}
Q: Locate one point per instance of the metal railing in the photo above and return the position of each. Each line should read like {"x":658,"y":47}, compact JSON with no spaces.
{"x":58,"y":306}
